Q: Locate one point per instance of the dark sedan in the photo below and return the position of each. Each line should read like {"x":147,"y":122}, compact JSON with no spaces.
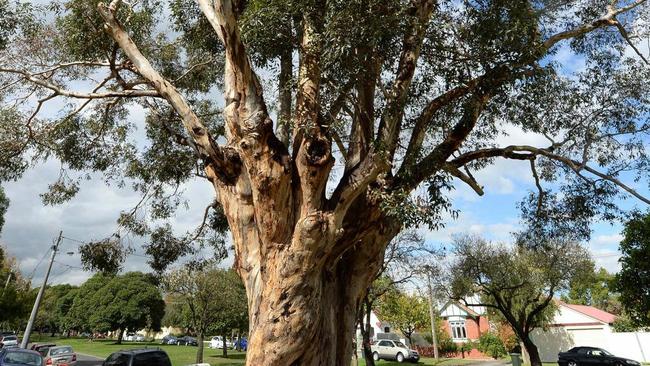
{"x":592,"y":356}
{"x":187,"y":341}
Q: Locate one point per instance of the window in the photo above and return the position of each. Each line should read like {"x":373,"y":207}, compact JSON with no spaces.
{"x":386,"y":329}
{"x":22,"y":358}
{"x":458,"y":329}
{"x":118,"y":359}
{"x":385,"y":344}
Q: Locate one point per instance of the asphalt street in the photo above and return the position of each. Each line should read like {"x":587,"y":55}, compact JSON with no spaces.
{"x":85,"y":360}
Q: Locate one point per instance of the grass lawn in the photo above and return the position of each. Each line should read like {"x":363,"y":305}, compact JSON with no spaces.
{"x":425,"y":361}
{"x":179,"y":355}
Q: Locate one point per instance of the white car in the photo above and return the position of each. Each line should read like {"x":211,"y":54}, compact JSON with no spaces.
{"x":8,"y":341}
{"x":217,"y":343}
{"x":132,"y":337}
{"x":393,"y":350}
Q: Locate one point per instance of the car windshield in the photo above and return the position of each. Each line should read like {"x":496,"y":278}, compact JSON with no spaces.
{"x":603,"y":352}
{"x":61,"y":351}
{"x":399,"y":344}
{"x":9,"y":338}
{"x":22,"y":358}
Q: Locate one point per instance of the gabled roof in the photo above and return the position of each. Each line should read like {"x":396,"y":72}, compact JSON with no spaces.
{"x":462,"y":307}
{"x":593,"y":312}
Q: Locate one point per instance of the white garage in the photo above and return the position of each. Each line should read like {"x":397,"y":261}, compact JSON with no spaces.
{"x":579,"y":325}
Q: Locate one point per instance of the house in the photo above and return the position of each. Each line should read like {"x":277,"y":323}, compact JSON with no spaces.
{"x":581,"y":325}
{"x":465,"y":323}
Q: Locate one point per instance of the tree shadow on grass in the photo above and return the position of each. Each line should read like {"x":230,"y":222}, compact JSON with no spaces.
{"x":236,"y":356}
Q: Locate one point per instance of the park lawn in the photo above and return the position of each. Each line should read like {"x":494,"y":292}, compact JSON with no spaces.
{"x":425,"y":361}
{"x":179,"y":355}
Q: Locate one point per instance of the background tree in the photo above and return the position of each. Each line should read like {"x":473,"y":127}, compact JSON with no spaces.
{"x":127,"y":302}
{"x":82,"y":307}
{"x":633,"y":280}
{"x":594,"y":288}
{"x":233,"y":312}
{"x":408,"y":96}
{"x":204,"y":297}
{"x":63,"y":311}
{"x":49,"y":315}
{"x":406,"y":313}
{"x":517,"y":282}
{"x":15,"y":296}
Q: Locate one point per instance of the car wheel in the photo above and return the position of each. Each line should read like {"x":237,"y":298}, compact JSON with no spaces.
{"x":572,"y":363}
{"x":375,"y":356}
{"x":400,"y":357}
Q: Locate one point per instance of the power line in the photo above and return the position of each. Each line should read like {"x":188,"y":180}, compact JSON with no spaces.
{"x":31,"y":275}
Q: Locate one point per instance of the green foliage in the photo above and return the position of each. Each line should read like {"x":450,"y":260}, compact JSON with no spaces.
{"x":127,"y":302}
{"x":15,"y":297}
{"x":594,"y":288}
{"x":4,"y":204}
{"x":490,"y":344}
{"x":105,"y":255}
{"x":406,"y":313}
{"x":624,"y":324}
{"x":633,"y":280}
{"x":55,"y":304}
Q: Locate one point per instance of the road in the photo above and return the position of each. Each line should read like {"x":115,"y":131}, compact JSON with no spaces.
{"x":85,"y":360}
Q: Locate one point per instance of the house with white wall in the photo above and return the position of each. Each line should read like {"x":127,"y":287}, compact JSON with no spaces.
{"x":581,"y":325}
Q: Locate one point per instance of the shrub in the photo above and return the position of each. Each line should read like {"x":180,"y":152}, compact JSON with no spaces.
{"x":490,"y":344}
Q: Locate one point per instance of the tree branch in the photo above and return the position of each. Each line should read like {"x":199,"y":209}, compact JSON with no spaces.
{"x":227,"y":164}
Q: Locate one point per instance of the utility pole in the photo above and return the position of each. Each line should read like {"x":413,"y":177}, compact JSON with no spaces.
{"x":433,"y":317}
{"x":37,"y":303}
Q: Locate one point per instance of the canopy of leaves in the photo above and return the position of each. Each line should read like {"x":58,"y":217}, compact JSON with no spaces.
{"x":633,"y":280}
{"x":593,"y":120}
{"x":131,"y":301}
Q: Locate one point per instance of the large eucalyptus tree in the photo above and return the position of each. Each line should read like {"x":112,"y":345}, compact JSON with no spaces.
{"x":382,"y":106}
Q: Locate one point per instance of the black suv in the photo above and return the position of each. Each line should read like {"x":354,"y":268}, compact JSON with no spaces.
{"x":138,"y":357}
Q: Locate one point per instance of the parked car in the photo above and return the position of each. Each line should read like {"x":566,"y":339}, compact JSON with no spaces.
{"x":20,"y":357}
{"x":187,"y":341}
{"x":40,"y":346}
{"x":8,"y":341}
{"x":133,"y":337}
{"x":217,"y":343}
{"x":169,"y":339}
{"x":138,"y":357}
{"x":59,"y":356}
{"x":592,"y":356}
{"x":393,"y":350}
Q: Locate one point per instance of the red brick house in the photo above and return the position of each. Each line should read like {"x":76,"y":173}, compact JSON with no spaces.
{"x":465,"y":323}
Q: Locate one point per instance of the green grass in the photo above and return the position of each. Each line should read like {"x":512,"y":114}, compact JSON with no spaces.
{"x":426,"y":361}
{"x":179,"y":355}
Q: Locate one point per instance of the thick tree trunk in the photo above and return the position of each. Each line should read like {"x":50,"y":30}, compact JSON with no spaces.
{"x":120,"y":335}
{"x":532,"y":351}
{"x":199,"y":350}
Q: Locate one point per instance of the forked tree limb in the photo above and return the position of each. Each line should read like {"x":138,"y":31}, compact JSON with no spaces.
{"x":226,"y":161}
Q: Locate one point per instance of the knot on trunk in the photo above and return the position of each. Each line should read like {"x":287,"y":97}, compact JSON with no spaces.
{"x":318,"y":151}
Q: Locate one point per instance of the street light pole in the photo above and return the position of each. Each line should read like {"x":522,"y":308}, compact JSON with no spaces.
{"x":433,"y":318}
{"x":37,"y":303}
